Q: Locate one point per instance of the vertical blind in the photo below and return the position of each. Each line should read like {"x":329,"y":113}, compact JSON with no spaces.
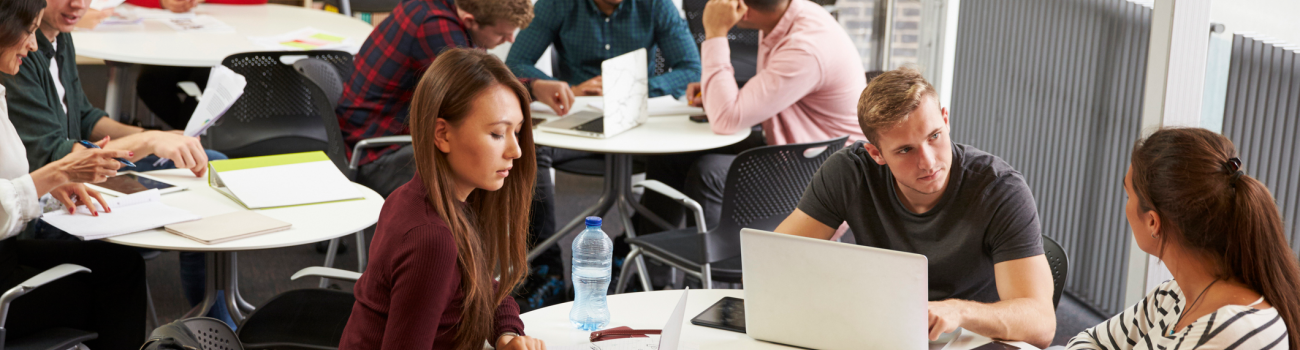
{"x":1055,"y":89}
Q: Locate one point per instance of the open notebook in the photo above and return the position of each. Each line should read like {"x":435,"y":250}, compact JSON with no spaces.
{"x":132,"y":213}
{"x":228,"y":227}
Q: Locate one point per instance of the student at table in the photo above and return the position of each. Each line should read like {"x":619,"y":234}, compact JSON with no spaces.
{"x":156,"y":85}
{"x":969,"y":212}
{"x":808,"y":79}
{"x":588,"y":32}
{"x":111,"y":299}
{"x":51,"y":113}
{"x":459,"y":221}
{"x":1191,"y":203}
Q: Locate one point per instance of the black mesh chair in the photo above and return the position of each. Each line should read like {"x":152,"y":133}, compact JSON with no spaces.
{"x":328,"y":76}
{"x":213,"y":334}
{"x":763,"y":186}
{"x":743,"y":42}
{"x":1060,"y":265}
{"x":49,"y":339}
{"x":303,"y":318}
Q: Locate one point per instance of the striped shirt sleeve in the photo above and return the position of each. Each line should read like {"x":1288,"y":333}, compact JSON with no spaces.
{"x":1126,"y":330}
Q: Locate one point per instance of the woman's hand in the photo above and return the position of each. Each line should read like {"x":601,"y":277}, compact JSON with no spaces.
{"x":511,"y":342}
{"x":73,"y":195}
{"x":91,"y":165}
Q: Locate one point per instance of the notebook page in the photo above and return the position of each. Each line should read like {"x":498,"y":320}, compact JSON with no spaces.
{"x":290,"y":184}
{"x":133,"y":213}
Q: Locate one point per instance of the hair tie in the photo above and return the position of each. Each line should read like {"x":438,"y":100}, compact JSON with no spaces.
{"x":1237,"y":176}
{"x":1233,"y":164}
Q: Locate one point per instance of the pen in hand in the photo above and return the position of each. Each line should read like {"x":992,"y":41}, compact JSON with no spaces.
{"x":92,"y":145}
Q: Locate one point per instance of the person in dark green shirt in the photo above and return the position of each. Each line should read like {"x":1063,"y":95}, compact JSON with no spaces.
{"x":51,"y":113}
{"x":588,"y":32}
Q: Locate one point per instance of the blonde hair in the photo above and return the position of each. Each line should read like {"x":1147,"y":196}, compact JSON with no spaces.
{"x":889,"y":98}
{"x":490,"y":12}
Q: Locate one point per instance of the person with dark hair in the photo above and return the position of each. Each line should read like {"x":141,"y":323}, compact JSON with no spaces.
{"x":1191,"y":204}
{"x":588,"y":32}
{"x":52,"y":113}
{"x":912,"y":189}
{"x":459,"y":221}
{"x":807,"y":82}
{"x":110,"y":300}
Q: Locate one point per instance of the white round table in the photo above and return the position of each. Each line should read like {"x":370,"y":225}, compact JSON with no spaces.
{"x":658,"y":135}
{"x":651,"y":310}
{"x":154,"y":43}
{"x":311,"y":224}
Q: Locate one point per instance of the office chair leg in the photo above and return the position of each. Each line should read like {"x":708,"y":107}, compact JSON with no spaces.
{"x":677,"y":277}
{"x":361,"y":251}
{"x":641,"y":272}
{"x":708,"y":277}
{"x":329,"y":260}
{"x":627,"y":266}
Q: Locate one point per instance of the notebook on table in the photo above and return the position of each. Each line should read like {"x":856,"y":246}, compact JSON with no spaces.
{"x":228,"y":227}
{"x":132,"y":213}
{"x":281,"y":180}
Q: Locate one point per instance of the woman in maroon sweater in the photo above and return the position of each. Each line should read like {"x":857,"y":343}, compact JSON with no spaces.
{"x":462,"y":219}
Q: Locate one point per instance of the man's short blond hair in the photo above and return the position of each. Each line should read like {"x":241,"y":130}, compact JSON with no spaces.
{"x":889,"y":98}
{"x":493,"y":12}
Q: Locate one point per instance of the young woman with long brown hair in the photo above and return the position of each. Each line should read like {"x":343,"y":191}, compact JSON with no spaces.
{"x":1191,"y":204}
{"x":462,"y":219}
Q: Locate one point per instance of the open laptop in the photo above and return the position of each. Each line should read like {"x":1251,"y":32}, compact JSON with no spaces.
{"x":625,"y":107}
{"x":829,"y":295}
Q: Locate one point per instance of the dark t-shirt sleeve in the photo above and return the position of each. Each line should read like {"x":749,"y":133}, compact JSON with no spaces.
{"x":1014,"y":232}
{"x":423,"y":288}
{"x":826,"y":197}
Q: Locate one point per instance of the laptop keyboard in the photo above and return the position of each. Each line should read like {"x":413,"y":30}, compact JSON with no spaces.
{"x":595,"y":125}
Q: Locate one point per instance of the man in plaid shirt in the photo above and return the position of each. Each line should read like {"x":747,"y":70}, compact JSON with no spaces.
{"x":377,"y":99}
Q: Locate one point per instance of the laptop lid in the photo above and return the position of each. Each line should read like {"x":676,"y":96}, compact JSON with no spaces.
{"x":829,"y":295}
{"x":625,"y":81}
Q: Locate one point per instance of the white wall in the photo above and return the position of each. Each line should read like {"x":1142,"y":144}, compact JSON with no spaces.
{"x":1279,"y":19}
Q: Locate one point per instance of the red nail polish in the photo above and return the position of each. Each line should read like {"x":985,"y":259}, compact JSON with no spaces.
{"x":130,"y":154}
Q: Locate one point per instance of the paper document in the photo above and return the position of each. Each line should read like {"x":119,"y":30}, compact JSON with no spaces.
{"x":661,"y":106}
{"x":100,"y":5}
{"x":151,"y":13}
{"x":281,"y":180}
{"x":307,"y":39}
{"x":538,"y":107}
{"x":133,"y":213}
{"x":199,"y":24}
{"x":224,"y":88}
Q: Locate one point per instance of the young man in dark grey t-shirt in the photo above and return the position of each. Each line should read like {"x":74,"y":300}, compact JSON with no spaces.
{"x":967,"y":211}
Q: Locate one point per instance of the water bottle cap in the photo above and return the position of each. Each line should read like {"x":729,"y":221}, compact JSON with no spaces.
{"x":593,"y":221}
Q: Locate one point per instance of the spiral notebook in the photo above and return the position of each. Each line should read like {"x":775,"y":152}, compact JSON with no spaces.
{"x":228,"y":227}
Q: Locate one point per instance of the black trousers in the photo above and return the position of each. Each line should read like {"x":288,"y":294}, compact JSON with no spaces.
{"x":157,"y":88}
{"x":110,"y":300}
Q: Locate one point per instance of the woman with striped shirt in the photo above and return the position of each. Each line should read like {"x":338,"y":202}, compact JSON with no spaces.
{"x":1218,"y":230}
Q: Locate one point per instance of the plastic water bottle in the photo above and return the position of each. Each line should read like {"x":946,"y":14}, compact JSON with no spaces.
{"x":592,"y":254}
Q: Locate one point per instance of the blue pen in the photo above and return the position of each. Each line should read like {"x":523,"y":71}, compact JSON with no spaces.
{"x":89,"y":144}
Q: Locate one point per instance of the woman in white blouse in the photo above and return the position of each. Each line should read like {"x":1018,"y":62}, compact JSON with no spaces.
{"x":110,"y":300}
{"x":1236,"y":281}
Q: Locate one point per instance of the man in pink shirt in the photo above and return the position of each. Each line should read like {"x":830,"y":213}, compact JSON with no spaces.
{"x":806,"y":89}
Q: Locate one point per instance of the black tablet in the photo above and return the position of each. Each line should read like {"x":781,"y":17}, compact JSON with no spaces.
{"x":726,"y":314}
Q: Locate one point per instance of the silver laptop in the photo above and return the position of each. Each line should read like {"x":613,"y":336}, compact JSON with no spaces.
{"x":829,"y":295}
{"x":625,"y":107}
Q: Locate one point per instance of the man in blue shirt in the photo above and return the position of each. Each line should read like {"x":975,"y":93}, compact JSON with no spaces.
{"x":587,"y":32}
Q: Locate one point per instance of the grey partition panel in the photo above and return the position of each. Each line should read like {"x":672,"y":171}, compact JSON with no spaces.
{"x":1055,"y":89}
{"x":1262,"y":117}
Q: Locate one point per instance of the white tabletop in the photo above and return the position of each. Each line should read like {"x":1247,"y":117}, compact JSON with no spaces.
{"x":311,"y":223}
{"x":650,"y":310}
{"x":156,"y":44}
{"x":659,"y":135}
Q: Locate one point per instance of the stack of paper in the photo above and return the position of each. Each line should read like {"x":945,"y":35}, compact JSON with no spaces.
{"x":224,"y":88}
{"x":228,"y":227}
{"x":307,"y":39}
{"x":199,"y":24}
{"x":134,"y":213}
{"x":281,"y":180}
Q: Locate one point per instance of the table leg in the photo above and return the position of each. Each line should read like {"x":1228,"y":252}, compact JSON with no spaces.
{"x":119,"y":99}
{"x":622,"y":182}
{"x":607,"y":198}
{"x":329,"y":260}
{"x":244,"y":305}
{"x":209,"y":289}
{"x":227,"y":262}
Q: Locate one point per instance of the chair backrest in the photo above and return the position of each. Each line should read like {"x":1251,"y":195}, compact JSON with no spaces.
{"x":326,"y":76}
{"x":743,"y":42}
{"x":278,"y":112}
{"x":1060,"y":265}
{"x":764,"y":183}
{"x":213,"y":334}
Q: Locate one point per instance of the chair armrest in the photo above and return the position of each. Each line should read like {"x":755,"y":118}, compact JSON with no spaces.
{"x":373,"y":143}
{"x":678,"y":196}
{"x":327,"y":272}
{"x":190,"y":88}
{"x":51,"y":275}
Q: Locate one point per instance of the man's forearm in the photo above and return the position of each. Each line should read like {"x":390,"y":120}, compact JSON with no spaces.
{"x":123,"y":137}
{"x":112,"y":128}
{"x":1025,"y":319}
